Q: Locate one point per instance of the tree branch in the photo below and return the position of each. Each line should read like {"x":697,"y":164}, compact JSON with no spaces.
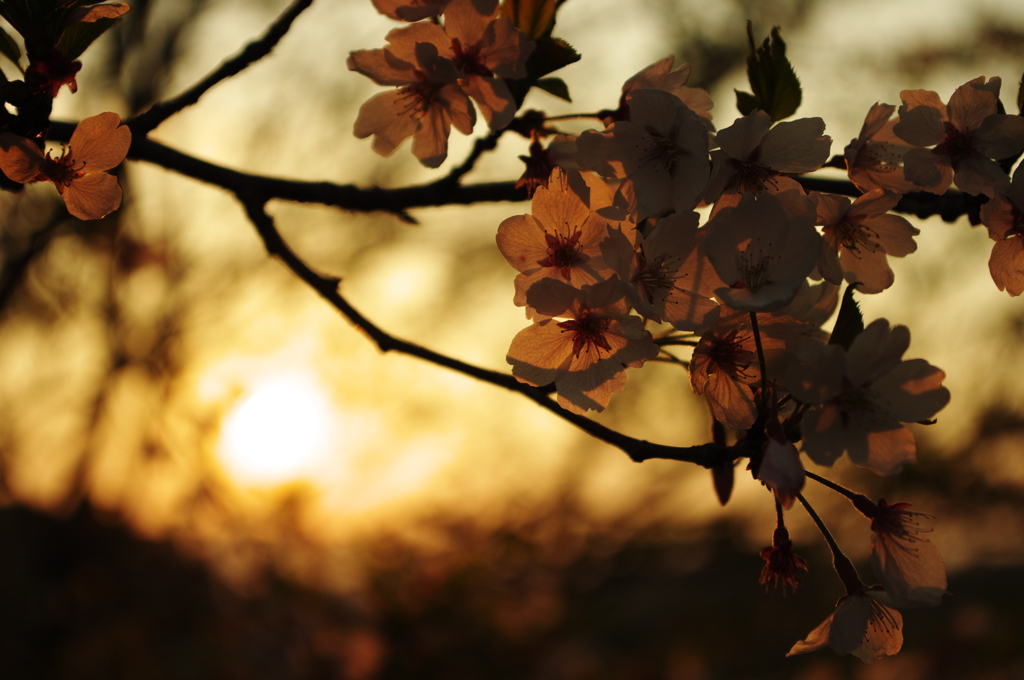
{"x":706,"y":455}
{"x":252,"y":53}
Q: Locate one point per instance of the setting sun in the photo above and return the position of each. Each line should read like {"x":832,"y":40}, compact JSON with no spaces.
{"x":277,"y":432}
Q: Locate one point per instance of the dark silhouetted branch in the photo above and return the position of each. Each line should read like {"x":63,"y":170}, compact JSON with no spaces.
{"x":252,"y":53}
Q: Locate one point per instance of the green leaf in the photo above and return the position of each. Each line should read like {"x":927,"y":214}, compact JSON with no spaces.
{"x":535,"y":18}
{"x":78,"y":36}
{"x":9,"y":48}
{"x":555,"y":86}
{"x":745,"y":102}
{"x":850,"y":321}
{"x":772,"y":79}
{"x":550,"y":55}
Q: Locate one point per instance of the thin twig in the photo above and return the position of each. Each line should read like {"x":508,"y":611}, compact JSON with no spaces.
{"x":397,"y":201}
{"x":252,"y":53}
{"x":706,"y":455}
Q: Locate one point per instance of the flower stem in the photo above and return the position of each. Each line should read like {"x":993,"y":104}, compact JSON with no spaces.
{"x":832,"y":485}
{"x":574,"y":116}
{"x":844,"y":567}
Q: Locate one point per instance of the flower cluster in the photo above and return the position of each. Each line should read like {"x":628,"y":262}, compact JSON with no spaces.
{"x":616,"y":243}
{"x":654,"y":236}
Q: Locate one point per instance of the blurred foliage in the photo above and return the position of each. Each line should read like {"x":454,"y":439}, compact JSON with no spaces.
{"x":552,"y":596}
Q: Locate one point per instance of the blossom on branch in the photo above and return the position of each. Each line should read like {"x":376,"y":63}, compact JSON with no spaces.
{"x":725,"y":369}
{"x":560,"y":239}
{"x":858,"y":236}
{"x":780,"y":468}
{"x":967,"y":137}
{"x":763,"y":249}
{"x":754,"y":157}
{"x":670,"y":278}
{"x":860,"y":398}
{"x":661,"y":76}
{"x":483,"y":47}
{"x":661,"y":153}
{"x":875,"y":159}
{"x":861,"y":625}
{"x":908,"y":564}
{"x":98,"y":144}
{"x":426,"y":104}
{"x":583,"y":344}
{"x":1004,"y":218}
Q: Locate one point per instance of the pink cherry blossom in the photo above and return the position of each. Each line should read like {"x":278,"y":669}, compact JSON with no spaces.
{"x":483,"y":47}
{"x":661,"y":152}
{"x":861,"y":625}
{"x":966,"y":136}
{"x":1004,"y":218}
{"x":754,"y":157}
{"x":780,"y":468}
{"x":560,"y":239}
{"x":908,"y":564}
{"x":98,"y":144}
{"x":860,"y":398}
{"x":661,"y":76}
{"x":426,"y":104}
{"x":858,"y":236}
{"x":724,"y":368}
{"x":586,"y":352}
{"x":875,"y":159}
{"x":670,"y":277}
{"x":763,"y":249}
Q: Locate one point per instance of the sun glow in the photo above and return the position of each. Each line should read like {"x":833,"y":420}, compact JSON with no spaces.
{"x":280,"y":431}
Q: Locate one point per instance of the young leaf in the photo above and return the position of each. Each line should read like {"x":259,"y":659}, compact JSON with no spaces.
{"x":555,"y":86}
{"x":775,"y":85}
{"x":9,"y":48}
{"x":78,"y":36}
{"x":535,"y":18}
{"x":549,"y":55}
{"x":849,"y":323}
{"x":745,"y":102}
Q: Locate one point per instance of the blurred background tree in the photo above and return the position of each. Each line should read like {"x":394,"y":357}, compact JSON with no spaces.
{"x":432,"y":526}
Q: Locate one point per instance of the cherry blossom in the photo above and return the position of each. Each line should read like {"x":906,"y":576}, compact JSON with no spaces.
{"x":661,"y":152}
{"x":875,"y":159}
{"x":669,"y":274}
{"x":724,"y":367}
{"x":1004,"y":218}
{"x":763,"y":249}
{"x":661,"y":76}
{"x":858,"y":236}
{"x":966,"y":135}
{"x":426,"y":104}
{"x":781,"y":565}
{"x":861,"y":625}
{"x":780,"y":468}
{"x":753,"y":158}
{"x":98,"y":144}
{"x":586,"y":352}
{"x":908,"y":564}
{"x":560,"y":239}
{"x":483,"y":47}
{"x":861,"y":397}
